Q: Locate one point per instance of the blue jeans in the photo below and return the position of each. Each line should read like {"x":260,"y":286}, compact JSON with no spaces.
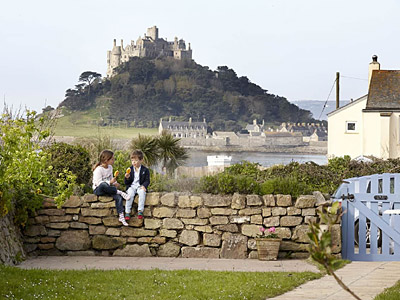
{"x":104,"y":189}
{"x":132,"y":191}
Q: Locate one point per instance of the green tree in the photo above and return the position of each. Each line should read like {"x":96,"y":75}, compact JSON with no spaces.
{"x":149,"y":146}
{"x":171,"y":153}
{"x":89,"y":77}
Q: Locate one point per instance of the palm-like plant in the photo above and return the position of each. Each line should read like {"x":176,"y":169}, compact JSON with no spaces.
{"x":149,"y":147}
{"x":170,"y":152}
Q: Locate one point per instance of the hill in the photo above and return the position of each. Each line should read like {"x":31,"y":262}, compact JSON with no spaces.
{"x":145,"y":90}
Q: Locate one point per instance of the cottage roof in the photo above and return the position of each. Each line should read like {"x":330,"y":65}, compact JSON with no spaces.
{"x":165,"y":124}
{"x":347,"y":105}
{"x":384,"y":91}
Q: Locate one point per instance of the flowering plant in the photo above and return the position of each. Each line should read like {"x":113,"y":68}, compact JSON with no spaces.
{"x":267,"y":233}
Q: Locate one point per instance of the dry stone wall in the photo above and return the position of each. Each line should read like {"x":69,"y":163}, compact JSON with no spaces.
{"x":11,"y":248}
{"x":175,"y":224}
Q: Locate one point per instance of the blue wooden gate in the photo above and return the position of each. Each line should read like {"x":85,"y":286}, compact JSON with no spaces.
{"x":371,"y":218}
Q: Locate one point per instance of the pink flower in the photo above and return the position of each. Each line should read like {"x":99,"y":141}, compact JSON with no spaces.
{"x":262,"y":229}
{"x":271,"y":230}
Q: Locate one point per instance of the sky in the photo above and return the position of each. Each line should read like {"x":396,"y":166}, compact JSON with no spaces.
{"x":291,"y":48}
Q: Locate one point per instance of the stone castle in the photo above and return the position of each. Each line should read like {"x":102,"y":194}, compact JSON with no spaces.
{"x":148,"y":46}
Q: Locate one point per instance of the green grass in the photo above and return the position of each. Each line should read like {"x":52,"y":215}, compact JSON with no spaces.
{"x":83,"y":124}
{"x":17,"y":283}
{"x":392,"y":293}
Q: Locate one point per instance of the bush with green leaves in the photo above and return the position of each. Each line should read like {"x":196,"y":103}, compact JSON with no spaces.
{"x":25,"y":175}
{"x":74,"y":158}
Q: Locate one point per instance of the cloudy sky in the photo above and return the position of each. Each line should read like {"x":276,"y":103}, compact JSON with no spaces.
{"x":291,"y":48}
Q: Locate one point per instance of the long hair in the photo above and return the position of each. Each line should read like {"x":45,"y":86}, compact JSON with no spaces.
{"x":104,"y":156}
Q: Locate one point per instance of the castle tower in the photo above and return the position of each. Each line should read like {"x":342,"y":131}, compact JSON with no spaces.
{"x":113,"y":58}
{"x":152,"y":32}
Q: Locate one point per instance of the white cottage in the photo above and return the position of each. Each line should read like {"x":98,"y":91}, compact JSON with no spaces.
{"x":369,"y":126}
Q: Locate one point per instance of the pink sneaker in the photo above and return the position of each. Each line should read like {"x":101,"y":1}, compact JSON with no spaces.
{"x":122,"y":219}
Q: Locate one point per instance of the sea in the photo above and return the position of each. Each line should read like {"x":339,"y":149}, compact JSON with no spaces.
{"x":199,"y":158}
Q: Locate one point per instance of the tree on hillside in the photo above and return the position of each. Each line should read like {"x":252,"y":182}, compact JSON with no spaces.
{"x":88,"y":77}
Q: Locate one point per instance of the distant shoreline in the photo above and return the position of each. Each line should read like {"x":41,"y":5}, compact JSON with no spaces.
{"x":319,"y":149}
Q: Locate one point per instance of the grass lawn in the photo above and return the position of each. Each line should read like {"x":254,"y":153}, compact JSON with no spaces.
{"x":80,"y":124}
{"x":392,"y":293}
{"x":16,"y":283}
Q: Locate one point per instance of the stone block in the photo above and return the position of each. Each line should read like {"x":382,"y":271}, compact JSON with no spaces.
{"x":51,"y":212}
{"x":97,"y":205}
{"x":290,"y":221}
{"x":93,"y":230}
{"x":111,"y":222}
{"x":105,"y":199}
{"x":212,"y":240}
{"x":152,"y":223}
{"x":218,"y":220}
{"x":254,"y":200}
{"x":292,"y":246}
{"x":308,"y":212}
{"x":52,"y":232}
{"x":279,"y":211}
{"x":234,"y":246}
{"x":271,"y":221}
{"x":89,"y":198}
{"x":223,"y":211}
{"x":89,"y":212}
{"x":90,"y":220}
{"x":239,"y":219}
{"x":217,"y":200}
{"x":137,"y":232}
{"x":267,"y":212}
{"x":305,"y":201}
{"x":227,"y":228}
{"x":269,"y":200}
{"x":283,"y":200}
{"x":300,"y":234}
{"x":293,"y":211}
{"x":169,"y":249}
{"x":163,"y":212}
{"x":169,"y":199}
{"x":310,"y":219}
{"x":49,"y":203}
{"x":336,"y":238}
{"x":113,"y":231}
{"x":72,"y":211}
{"x":73,"y":240}
{"x":42,"y":219}
{"x":57,"y":225}
{"x":47,"y":239}
{"x":205,"y":228}
{"x":102,"y":242}
{"x":238,"y":201}
{"x":186,"y":213}
{"x":195,"y":221}
{"x":255,"y":219}
{"x":78,"y":225}
{"x":319,"y":197}
{"x":152,"y":199}
{"x":251,"y":230}
{"x":250,"y":211}
{"x":168,"y":233}
{"x":135,"y":222}
{"x":186,"y":201}
{"x":253,"y":255}
{"x":203,"y":212}
{"x":252,"y":244}
{"x":57,"y":219}
{"x":45,"y":246}
{"x":73,"y":202}
{"x":189,"y":237}
{"x":283,"y":232}
{"x":200,"y":252}
{"x":172,"y":223}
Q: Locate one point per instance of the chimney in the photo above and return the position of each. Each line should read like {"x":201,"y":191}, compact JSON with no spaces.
{"x":374,"y":65}
{"x":190,"y":120}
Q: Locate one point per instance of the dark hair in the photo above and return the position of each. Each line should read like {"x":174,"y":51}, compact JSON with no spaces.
{"x":137,"y":153}
{"x":104,"y":156}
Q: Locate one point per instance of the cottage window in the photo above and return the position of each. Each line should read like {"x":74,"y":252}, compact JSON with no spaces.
{"x":351,"y":126}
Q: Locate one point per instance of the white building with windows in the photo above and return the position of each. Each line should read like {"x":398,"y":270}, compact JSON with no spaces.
{"x":369,"y":126}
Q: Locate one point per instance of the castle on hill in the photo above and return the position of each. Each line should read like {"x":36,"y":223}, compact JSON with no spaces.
{"x":148,"y":46}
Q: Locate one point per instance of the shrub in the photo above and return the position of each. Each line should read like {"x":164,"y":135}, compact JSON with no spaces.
{"x":72,"y":157}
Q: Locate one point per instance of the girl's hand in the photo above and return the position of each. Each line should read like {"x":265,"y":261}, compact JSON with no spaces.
{"x":113,"y":180}
{"x":116,"y":184}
